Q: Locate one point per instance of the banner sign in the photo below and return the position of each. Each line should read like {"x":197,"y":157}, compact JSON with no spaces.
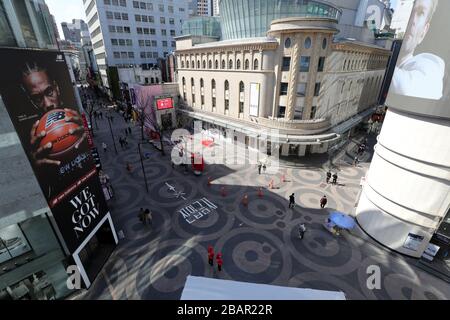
{"x":421,"y":82}
{"x":36,"y":89}
{"x":163,"y":104}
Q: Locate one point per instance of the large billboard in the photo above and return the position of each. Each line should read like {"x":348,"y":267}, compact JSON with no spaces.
{"x":254,"y":99}
{"x":164,"y":103}
{"x":421,"y":82}
{"x":37,"y":92}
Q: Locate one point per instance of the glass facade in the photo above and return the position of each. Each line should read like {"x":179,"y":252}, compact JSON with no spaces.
{"x":6,"y":35}
{"x":252,"y":18}
{"x":202,"y":26}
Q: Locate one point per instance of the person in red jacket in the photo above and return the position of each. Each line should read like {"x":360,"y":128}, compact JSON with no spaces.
{"x":211,"y":256}
{"x":219,"y":261}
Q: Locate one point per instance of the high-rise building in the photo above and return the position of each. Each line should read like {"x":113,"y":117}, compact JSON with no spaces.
{"x":77,"y":32}
{"x":205,"y":8}
{"x":126,"y":32}
{"x":55,"y":27}
{"x":401,"y":16}
{"x":216,"y":11}
{"x":303,"y":69}
{"x":26,"y":24}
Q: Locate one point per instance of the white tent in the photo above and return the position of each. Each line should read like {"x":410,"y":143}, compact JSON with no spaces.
{"x":200,"y":288}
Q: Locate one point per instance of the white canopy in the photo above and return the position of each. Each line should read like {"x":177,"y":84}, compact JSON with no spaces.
{"x":200,"y":288}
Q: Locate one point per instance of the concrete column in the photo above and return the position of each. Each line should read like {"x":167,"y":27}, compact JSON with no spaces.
{"x":407,"y":193}
{"x":293,"y":76}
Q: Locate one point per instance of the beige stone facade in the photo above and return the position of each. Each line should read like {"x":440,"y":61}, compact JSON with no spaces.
{"x":307,"y":84}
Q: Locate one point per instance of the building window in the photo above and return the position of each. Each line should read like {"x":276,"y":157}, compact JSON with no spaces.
{"x":163,"y":32}
{"x":127,"y":29}
{"x":287,"y":43}
{"x":281,"y":111}
{"x":109,"y":15}
{"x":238,"y":64}
{"x":283,"y":88}
{"x":246,"y":64}
{"x":171,"y":21}
{"x":172,"y":33}
{"x":286,"y":64}
{"x":116,"y":55}
{"x":223,"y":64}
{"x":117,"y":16}
{"x":213,"y":102}
{"x":161,"y":7}
{"x":213,"y":85}
{"x":112,"y":29}
{"x":227,"y":105}
{"x":162,"y":20}
{"x":324,"y":43}
{"x":227,"y":85}
{"x":255,"y":64}
{"x":230,"y":64}
{"x":136,"y":4}
{"x":301,"y":89}
{"x":308,"y":43}
{"x":241,"y":97}
{"x":216,"y":64}
{"x":298,"y":113}
{"x":192,"y":64}
{"x":304,"y":63}
{"x":182,"y":64}
{"x":198,"y":63}
{"x":124,"y":16}
{"x":137,"y":17}
{"x":210,"y":64}
{"x":317,"y":89}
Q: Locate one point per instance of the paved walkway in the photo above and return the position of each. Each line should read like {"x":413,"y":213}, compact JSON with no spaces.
{"x":259,"y":243}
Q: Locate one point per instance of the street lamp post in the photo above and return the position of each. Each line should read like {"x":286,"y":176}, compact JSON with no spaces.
{"x":142,"y":164}
{"x":112,"y":135}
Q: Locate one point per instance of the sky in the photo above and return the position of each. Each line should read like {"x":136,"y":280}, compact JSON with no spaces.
{"x":65,"y":11}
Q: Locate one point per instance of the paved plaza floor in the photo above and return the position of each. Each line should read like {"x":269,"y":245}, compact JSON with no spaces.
{"x":259,"y":243}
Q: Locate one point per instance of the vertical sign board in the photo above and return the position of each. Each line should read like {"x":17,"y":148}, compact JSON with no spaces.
{"x":421,"y":82}
{"x":254,"y":99}
{"x":37,"y":92}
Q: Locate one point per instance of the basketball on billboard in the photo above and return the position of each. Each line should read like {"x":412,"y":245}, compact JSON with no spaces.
{"x":58,"y":132}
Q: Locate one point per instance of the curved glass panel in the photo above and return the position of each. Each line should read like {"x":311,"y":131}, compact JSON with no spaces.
{"x":252,"y":18}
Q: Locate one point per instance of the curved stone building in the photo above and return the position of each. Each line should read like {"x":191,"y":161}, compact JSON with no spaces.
{"x":280,"y":65}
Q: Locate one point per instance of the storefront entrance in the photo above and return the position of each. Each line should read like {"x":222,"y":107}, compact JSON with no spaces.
{"x":166,"y":120}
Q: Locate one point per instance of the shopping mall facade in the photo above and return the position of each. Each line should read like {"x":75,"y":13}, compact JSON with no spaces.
{"x":307,"y":71}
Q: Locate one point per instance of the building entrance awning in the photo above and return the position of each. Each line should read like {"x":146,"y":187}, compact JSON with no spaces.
{"x":254,"y":132}
{"x":353,"y":121}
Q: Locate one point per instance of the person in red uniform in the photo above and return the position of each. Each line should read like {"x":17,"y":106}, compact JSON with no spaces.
{"x":219,"y":261}
{"x":211,"y":256}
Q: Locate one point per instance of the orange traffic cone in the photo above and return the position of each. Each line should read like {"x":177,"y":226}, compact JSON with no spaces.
{"x":245,"y":200}
{"x":260,"y":193}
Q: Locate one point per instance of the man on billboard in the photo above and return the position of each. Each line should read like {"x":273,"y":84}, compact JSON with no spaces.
{"x":44,"y":94}
{"x":420,"y":75}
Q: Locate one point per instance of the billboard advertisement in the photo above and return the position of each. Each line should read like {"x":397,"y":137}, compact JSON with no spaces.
{"x":421,"y":81}
{"x":254,"y":99}
{"x":165,"y":103}
{"x":37,"y":92}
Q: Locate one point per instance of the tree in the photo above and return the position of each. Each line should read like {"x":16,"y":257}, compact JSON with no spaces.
{"x":147,"y":115}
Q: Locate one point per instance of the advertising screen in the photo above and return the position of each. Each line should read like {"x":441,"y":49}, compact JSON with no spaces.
{"x":37,"y":92}
{"x":421,"y":82}
{"x":163,"y":104}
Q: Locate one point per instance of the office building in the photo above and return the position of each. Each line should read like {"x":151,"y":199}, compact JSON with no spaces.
{"x":126,"y":32}
{"x":77,"y":32}
{"x":310,"y":70}
{"x":205,"y":8}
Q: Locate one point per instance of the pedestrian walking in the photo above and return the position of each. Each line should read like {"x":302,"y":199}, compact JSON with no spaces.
{"x":301,"y":231}
{"x":129,"y":130}
{"x":356,"y":161}
{"x":141,"y":215}
{"x":259,"y":168}
{"x":292,"y":201}
{"x":129,"y":168}
{"x":328,"y":176}
{"x":264,"y":168}
{"x":126,"y":131}
{"x":148,"y":216}
{"x":121,"y":142}
{"x":211,"y":256}
{"x":219,"y":261}
{"x":323,"y":201}
{"x":105,"y":147}
{"x":335,"y":177}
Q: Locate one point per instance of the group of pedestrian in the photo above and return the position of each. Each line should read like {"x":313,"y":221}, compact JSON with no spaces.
{"x":145,"y":216}
{"x":261,"y":166}
{"x":332,"y":175}
{"x":218,"y":257}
